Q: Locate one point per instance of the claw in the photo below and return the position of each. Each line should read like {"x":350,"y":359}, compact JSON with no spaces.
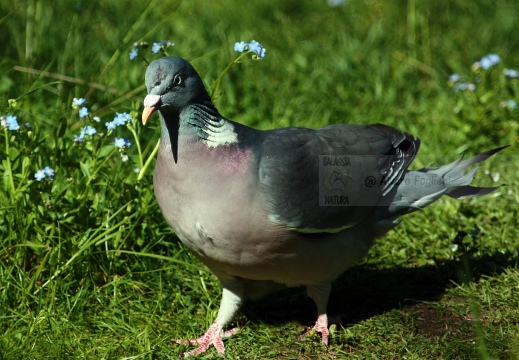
{"x":213,"y":335}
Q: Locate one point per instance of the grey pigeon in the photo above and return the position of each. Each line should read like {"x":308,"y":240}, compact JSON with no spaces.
{"x":284,"y":207}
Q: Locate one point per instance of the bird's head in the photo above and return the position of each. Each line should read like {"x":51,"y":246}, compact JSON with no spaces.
{"x":173,"y":84}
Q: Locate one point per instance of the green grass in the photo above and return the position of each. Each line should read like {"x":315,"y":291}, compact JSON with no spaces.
{"x":90,"y":270}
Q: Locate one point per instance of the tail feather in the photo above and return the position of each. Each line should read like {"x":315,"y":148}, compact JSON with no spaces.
{"x":465,"y":192}
{"x":457,"y":168}
{"x":423,"y":187}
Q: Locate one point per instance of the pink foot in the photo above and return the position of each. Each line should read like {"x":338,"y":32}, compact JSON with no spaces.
{"x":321,"y":325}
{"x":213,"y":335}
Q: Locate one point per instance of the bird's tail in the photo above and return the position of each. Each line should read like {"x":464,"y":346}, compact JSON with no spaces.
{"x":418,"y":189}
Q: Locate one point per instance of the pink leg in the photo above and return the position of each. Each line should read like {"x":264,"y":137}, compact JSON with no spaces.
{"x":213,"y":335}
{"x":320,"y":293}
{"x":321,"y":325}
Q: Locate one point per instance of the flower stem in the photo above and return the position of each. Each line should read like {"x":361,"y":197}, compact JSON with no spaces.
{"x":216,"y":83}
{"x":9,"y":168}
{"x":148,"y":162}
{"x":108,"y":157}
{"x":137,"y":143}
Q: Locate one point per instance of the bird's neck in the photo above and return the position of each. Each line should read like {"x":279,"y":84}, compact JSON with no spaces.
{"x":200,"y":122}
{"x":206,"y":123}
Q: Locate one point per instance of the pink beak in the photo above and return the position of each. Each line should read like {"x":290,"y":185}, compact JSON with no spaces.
{"x":150,"y":105}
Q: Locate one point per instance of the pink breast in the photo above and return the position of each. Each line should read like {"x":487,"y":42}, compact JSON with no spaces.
{"x":230,"y":159}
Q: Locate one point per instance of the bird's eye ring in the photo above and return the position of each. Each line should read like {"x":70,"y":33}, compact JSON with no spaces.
{"x":177,"y":80}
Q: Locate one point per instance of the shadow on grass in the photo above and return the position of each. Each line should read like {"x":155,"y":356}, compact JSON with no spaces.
{"x":364,"y":291}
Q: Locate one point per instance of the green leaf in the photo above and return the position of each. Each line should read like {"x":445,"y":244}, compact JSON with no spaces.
{"x":105,"y":150}
{"x":61,"y":128}
{"x":85,"y":170}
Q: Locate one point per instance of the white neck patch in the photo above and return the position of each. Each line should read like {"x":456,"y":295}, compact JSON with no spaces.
{"x":221,"y":134}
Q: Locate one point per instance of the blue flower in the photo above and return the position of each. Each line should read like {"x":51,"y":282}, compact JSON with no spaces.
{"x":47,"y":172}
{"x":511,"y":73}
{"x":454,"y":78}
{"x":261,"y":54}
{"x":11,"y":122}
{"x":83,"y":112}
{"x":155,"y":48}
{"x":464,"y":86}
{"x":134,"y":53}
{"x":122,"y":118}
{"x":78,"y":102}
{"x":40,"y":175}
{"x":79,"y":139}
{"x":334,"y":3}
{"x":257,"y":49}
{"x":240,"y":46}
{"x":510,"y":104}
{"x":110,"y":125}
{"x":119,"y":120}
{"x":488,"y":61}
{"x":122,"y":143}
{"x":254,"y":46}
{"x":89,"y":130}
{"x":485,"y":63}
{"x":494,"y":59}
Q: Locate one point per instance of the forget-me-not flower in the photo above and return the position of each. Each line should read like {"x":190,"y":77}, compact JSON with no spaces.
{"x":134,"y":53}
{"x":254,"y":47}
{"x":257,"y":49}
{"x":155,"y":48}
{"x":454,"y":78}
{"x":511,"y":73}
{"x":40,"y":175}
{"x":119,"y":120}
{"x":122,"y":118}
{"x":89,"y":130}
{"x":83,"y":112}
{"x":494,"y":59}
{"x":110,"y":125}
{"x":464,"y":86}
{"x":334,"y":3}
{"x":261,"y":53}
{"x":240,"y":46}
{"x":509,"y":104}
{"x":487,"y":62}
{"x":47,"y":172}
{"x":78,"y":102}
{"x":121,"y":143}
{"x":11,"y":122}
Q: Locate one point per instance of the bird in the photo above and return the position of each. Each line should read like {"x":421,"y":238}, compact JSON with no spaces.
{"x":270,"y":209}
